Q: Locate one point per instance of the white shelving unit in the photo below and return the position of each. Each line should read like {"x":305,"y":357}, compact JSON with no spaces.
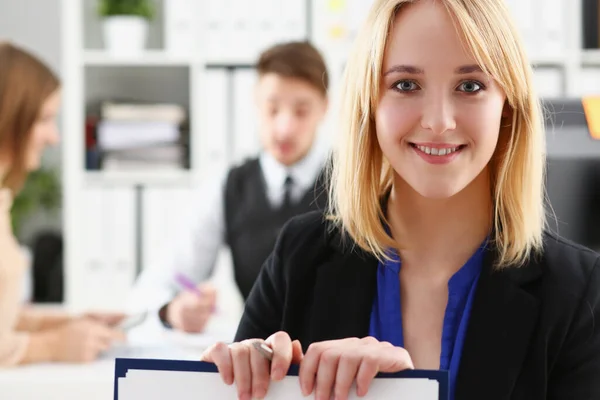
{"x":205,"y":64}
{"x":111,"y":216}
{"x":158,"y":58}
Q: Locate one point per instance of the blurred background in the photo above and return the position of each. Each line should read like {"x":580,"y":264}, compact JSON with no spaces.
{"x":156,"y":105}
{"x":114,"y":187}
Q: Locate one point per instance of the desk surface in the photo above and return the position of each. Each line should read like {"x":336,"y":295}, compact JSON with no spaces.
{"x":95,"y":381}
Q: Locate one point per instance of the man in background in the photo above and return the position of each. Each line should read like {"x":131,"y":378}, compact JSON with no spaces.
{"x":249,"y":206}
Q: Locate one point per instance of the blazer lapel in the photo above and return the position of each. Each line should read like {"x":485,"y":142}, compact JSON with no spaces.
{"x":502,"y":321}
{"x":343,"y":294}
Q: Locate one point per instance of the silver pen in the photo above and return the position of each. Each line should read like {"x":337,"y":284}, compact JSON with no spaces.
{"x":264,"y":350}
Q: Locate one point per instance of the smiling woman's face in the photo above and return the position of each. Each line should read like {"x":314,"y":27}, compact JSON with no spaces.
{"x":438,"y":116}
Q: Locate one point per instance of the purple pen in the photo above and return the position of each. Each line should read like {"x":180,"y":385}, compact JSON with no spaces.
{"x":187,"y":284}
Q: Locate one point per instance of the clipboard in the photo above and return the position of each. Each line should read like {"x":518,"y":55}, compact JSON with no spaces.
{"x":155,"y":366}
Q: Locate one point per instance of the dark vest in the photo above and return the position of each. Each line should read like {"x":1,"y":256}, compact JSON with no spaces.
{"x":252,"y":224}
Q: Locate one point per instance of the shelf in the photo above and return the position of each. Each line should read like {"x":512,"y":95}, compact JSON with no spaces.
{"x":590,"y":58}
{"x":146,"y":58}
{"x":134,"y":178}
{"x":230,"y":64}
{"x":548,"y":61}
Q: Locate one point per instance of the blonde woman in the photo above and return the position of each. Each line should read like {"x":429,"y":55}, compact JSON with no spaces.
{"x":436,"y":255}
{"x":29,"y":102}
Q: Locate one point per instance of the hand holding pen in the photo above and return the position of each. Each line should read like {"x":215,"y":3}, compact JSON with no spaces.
{"x":328,"y":368}
{"x":192,"y":308}
{"x":253,"y":363}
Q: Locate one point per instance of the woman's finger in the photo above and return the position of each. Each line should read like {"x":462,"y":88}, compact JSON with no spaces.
{"x":394,"y":359}
{"x":220,"y":355}
{"x":308,"y":367}
{"x":242,"y":372}
{"x":281,"y":344}
{"x":367,"y":370}
{"x":346,"y":373}
{"x":260,"y":374}
{"x":297,"y":353}
{"x":326,"y":372}
{"x":100,"y":346}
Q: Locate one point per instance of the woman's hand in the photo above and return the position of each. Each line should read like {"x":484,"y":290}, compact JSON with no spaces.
{"x":244,"y":365}
{"x":331,"y":367}
{"x":82,"y":340}
{"x":111,"y":319}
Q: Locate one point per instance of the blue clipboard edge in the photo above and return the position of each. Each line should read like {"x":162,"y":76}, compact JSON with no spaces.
{"x":122,"y":365}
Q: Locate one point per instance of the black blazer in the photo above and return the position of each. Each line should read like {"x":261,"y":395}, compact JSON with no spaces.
{"x":534,"y":332}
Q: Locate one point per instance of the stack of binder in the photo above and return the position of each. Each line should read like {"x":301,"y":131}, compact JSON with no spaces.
{"x":141,"y":137}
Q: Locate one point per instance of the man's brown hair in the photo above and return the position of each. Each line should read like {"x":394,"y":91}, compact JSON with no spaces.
{"x":299,"y":60}
{"x":25,"y":84}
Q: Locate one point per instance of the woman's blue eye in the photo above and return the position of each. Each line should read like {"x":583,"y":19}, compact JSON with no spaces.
{"x":470,"y":87}
{"x":406,"y":86}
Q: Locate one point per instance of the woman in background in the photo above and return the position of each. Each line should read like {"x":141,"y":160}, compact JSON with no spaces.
{"x":29,"y":103}
{"x":437,"y":255}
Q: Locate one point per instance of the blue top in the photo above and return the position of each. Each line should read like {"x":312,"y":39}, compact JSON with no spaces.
{"x":386,"y":316}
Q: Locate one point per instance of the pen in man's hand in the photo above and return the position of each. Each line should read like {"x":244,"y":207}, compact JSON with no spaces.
{"x":186,"y":283}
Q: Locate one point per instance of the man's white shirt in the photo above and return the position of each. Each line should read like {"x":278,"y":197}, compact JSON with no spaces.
{"x":194,"y":249}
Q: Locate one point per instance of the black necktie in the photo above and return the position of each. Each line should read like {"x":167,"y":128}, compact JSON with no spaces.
{"x":287,"y":192}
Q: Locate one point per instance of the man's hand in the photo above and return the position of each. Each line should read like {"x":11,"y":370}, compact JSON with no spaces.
{"x":190,"y":311}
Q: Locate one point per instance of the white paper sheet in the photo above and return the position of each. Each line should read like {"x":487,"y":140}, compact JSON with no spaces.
{"x":184,"y":385}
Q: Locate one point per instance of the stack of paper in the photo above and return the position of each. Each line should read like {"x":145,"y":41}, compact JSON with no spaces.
{"x":182,"y":380}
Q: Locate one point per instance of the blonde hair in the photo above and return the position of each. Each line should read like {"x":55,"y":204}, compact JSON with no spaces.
{"x":361,"y":176}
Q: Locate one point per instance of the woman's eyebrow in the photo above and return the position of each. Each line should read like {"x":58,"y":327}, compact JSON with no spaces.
{"x":411,"y":69}
{"x":467,"y":69}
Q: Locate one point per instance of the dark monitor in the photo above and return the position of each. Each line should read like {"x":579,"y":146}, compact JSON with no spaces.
{"x":573,"y":175}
